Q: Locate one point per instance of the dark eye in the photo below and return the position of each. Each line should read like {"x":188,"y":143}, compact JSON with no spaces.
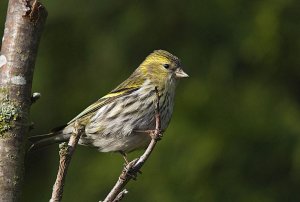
{"x":166,"y":66}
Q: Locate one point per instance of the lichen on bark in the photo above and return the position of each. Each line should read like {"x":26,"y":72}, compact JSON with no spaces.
{"x":9,"y":113}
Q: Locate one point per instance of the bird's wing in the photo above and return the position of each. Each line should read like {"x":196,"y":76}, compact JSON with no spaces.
{"x":112,"y":96}
{"x":133,"y":83}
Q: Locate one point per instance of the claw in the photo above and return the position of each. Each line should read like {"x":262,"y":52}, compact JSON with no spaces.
{"x":130,"y":171}
{"x":154,"y":134}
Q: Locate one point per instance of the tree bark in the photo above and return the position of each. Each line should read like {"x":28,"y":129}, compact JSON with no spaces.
{"x":23,"y":28}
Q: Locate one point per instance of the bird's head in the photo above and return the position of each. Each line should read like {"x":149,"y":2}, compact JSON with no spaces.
{"x":162,"y":65}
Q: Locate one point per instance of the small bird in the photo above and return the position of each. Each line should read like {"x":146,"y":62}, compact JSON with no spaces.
{"x":119,"y":121}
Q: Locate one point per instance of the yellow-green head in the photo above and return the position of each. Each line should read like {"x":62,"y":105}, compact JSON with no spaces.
{"x":160,"y":68}
{"x":162,"y":65}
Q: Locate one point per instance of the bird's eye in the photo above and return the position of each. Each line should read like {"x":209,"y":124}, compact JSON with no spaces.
{"x":166,"y":66}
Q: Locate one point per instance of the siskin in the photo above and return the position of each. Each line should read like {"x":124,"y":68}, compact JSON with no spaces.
{"x":118,"y":121}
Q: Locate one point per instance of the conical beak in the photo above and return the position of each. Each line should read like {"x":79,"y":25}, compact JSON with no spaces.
{"x":180,"y":73}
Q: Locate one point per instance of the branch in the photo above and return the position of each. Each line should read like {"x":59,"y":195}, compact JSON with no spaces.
{"x":65,"y":153}
{"x":132,"y":168}
{"x":120,"y":196}
{"x":23,"y":28}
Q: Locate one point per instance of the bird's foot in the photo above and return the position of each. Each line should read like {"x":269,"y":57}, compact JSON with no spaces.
{"x":130,"y":170}
{"x":155,"y":134}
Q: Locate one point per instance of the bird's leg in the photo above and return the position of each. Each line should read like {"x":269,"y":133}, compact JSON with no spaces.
{"x":124,"y":157}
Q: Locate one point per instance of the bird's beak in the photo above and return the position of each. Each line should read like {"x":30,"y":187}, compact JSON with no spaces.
{"x":179,"y":73}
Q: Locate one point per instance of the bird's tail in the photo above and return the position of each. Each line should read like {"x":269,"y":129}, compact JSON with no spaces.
{"x":41,"y":141}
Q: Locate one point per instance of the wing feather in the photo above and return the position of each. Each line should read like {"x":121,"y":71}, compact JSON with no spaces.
{"x":133,"y":83}
{"x":113,"y":95}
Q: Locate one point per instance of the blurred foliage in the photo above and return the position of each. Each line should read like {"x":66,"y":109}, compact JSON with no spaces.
{"x":235,"y":131}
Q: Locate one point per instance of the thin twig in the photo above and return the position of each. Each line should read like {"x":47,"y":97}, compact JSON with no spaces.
{"x":65,"y":153}
{"x":120,"y":195}
{"x":132,"y":168}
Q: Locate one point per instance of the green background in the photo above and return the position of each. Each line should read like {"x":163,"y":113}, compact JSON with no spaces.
{"x":235,"y":130}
